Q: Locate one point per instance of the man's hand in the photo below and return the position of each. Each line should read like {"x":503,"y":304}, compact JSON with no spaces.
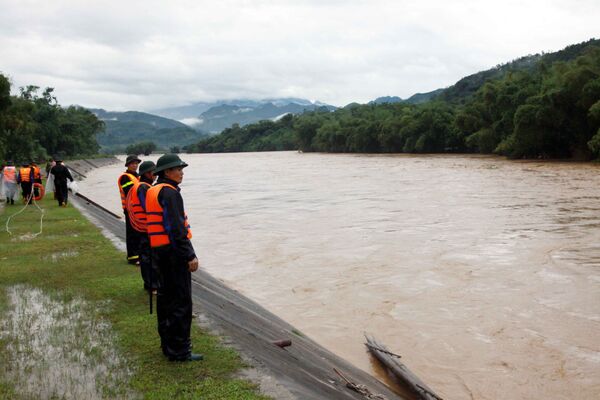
{"x":193,"y":265}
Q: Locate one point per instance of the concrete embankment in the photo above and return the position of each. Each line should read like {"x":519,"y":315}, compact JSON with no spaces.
{"x":81,"y":167}
{"x":303,"y":370}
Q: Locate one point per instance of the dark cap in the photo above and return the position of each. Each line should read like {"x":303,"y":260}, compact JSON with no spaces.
{"x":146,"y":166}
{"x":132,"y":158}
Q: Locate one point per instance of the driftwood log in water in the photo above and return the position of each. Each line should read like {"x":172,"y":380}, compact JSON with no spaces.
{"x":392,"y":362}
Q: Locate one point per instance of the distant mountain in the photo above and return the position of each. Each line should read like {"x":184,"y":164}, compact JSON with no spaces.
{"x":125,"y":128}
{"x":192,"y":114}
{"x":386,"y":99}
{"x":419,"y":98}
{"x":462,"y":90}
{"x":214,"y":117}
{"x":224,"y":116}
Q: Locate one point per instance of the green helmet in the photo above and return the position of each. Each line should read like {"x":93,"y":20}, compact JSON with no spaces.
{"x":132,"y":158}
{"x":169,"y":161}
{"x":146,"y":166}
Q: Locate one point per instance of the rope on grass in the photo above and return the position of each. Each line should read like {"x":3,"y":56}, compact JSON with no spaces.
{"x":30,"y":199}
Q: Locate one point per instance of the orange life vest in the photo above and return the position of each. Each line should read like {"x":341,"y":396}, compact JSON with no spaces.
{"x":25,"y":173}
{"x":132,"y":180}
{"x":154,"y":214}
{"x":10,"y":174}
{"x":36,"y":172}
{"x":135,"y":208}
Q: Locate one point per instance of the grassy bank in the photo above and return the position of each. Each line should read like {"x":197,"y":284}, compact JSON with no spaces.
{"x":93,"y":313}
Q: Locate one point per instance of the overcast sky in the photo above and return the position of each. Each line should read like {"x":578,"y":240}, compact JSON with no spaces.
{"x":142,"y":55}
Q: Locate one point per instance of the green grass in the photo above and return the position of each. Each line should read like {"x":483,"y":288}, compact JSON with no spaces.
{"x":100,"y":275}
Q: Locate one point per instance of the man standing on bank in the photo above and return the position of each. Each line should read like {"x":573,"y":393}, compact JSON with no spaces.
{"x":136,"y":208}
{"x":61,"y":174}
{"x":126,"y":182}
{"x":173,"y":254}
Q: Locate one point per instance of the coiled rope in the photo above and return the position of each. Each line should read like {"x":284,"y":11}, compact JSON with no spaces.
{"x":30,"y":199}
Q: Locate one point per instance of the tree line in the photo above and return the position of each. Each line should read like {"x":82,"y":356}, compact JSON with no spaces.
{"x":548,"y":110}
{"x":34,"y":126}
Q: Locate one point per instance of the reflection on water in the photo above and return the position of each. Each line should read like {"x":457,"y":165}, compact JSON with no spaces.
{"x":483,"y":273}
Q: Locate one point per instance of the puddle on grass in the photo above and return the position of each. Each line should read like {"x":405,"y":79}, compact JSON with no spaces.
{"x":24,"y":238}
{"x":60,"y":349}
{"x":55,"y":257}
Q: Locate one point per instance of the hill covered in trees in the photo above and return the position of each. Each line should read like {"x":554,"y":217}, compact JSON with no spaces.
{"x":35,"y":126}
{"x":542,"y":106}
{"x":125,"y":128}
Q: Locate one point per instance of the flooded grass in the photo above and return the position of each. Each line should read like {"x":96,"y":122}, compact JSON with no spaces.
{"x":74,"y":322}
{"x":60,"y":349}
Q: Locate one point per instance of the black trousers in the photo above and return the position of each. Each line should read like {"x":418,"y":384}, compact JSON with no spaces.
{"x":174,"y":303}
{"x":61,"y":191}
{"x":147,"y":267}
{"x":26,"y":188}
{"x":132,"y":239}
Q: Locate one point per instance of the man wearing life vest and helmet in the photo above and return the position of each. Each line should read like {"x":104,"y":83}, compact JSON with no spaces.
{"x":9,"y":182}
{"x":125,"y":183}
{"x":25,"y":178}
{"x":172,"y":252}
{"x":136,"y":208}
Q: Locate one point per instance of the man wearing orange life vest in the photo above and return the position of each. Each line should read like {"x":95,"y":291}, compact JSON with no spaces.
{"x":36,"y":174}
{"x":25,"y":178}
{"x":136,"y":208}
{"x":9,"y":182}
{"x":173,"y":254}
{"x":125,"y":183}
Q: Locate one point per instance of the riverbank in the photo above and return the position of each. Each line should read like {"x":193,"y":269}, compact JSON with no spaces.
{"x":75,"y":321}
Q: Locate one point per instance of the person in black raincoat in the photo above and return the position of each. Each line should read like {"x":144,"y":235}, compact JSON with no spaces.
{"x":172,"y":252}
{"x":61,"y":174}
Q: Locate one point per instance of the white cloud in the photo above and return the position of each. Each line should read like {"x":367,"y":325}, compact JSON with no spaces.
{"x":192,"y":121}
{"x":150,"y":54}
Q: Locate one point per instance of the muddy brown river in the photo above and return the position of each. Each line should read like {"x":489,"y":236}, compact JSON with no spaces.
{"x":483,"y":273}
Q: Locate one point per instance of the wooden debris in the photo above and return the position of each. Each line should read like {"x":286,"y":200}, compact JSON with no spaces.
{"x":362,"y":389}
{"x":391,"y":361}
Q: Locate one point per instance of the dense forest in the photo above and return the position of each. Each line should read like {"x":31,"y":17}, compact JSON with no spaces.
{"x":543,"y":106}
{"x":34,"y":126}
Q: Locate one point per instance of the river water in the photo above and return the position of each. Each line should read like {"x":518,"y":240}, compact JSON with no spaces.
{"x":483,"y":273}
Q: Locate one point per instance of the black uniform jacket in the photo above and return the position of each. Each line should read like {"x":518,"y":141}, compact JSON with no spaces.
{"x":61,"y":174}
{"x":174,"y":220}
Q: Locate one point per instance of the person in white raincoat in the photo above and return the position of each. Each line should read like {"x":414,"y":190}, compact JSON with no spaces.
{"x":9,"y":182}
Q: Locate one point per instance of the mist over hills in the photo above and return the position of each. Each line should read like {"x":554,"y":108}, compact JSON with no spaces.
{"x":194,"y":110}
{"x":181,"y":126}
{"x":216,"y":116}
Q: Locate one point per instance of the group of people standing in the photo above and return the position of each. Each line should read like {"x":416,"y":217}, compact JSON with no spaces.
{"x":158,"y":240}
{"x":29,"y":177}
{"x":26,"y":176}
